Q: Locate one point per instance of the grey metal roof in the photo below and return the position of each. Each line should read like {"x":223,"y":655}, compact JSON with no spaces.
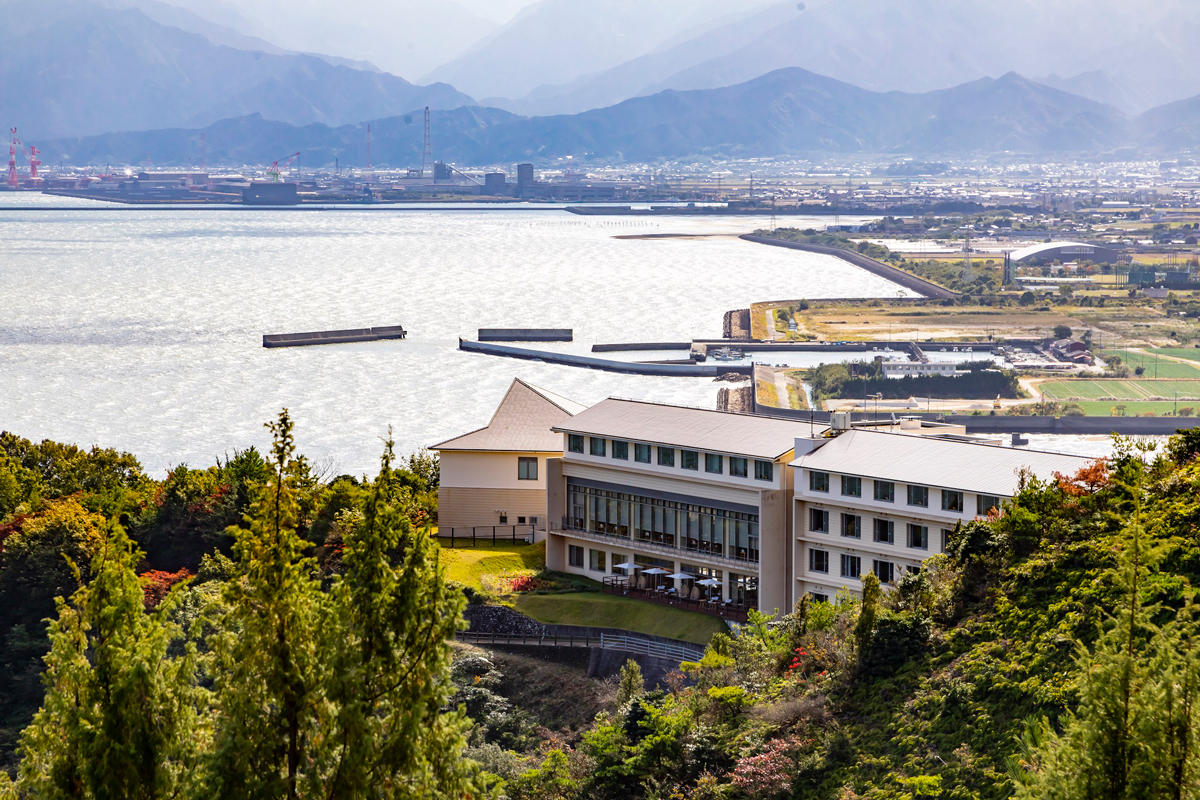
{"x":935,"y":462}
{"x":692,"y":428}
{"x":521,"y":423}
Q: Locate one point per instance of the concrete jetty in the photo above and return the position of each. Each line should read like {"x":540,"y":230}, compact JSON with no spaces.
{"x":526,"y":335}
{"x":333,"y":337}
{"x":608,"y":365}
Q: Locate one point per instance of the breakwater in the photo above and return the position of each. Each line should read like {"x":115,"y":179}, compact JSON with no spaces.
{"x":919,"y":285}
{"x":608,"y":365}
{"x":526,"y":335}
{"x":333,"y":337}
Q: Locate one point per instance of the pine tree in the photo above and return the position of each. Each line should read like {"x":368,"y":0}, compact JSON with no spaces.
{"x":120,"y":718}
{"x":631,"y":683}
{"x":1133,"y":734}
{"x":388,"y":733}
{"x":269,"y":661}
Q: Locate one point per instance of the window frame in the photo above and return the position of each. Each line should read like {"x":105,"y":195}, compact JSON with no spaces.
{"x":525,"y":461}
{"x":857,"y":527}
{"x":689,"y":456}
{"x":738,"y":467}
{"x":848,"y":559}
{"x":981,"y":510}
{"x":620,"y":450}
{"x":764,"y":470}
{"x":813,"y":513}
{"x":891,"y":491}
{"x":890,"y":569}
{"x":592,"y":560}
{"x":666,"y":456}
{"x":891,"y":531}
{"x":641,"y":449}
{"x":572,"y":550}
{"x":813,"y":553}
{"x":923,"y":495}
{"x":949,"y":495}
{"x":708,"y":463}
{"x":818,"y":481}
{"x":575,"y":443}
{"x":851,"y":482}
{"x":924,"y":536}
{"x":597,"y":446}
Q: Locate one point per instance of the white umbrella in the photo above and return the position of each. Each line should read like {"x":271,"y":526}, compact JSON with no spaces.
{"x":627,"y":565}
{"x":681,"y":576}
{"x":655,"y":571}
{"x":709,"y":582}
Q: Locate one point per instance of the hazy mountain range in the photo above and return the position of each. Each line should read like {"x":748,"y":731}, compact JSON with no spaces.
{"x":786,"y":112}
{"x":617,"y":79}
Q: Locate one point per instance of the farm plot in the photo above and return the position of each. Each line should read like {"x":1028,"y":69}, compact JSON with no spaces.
{"x":1120,"y":389}
{"x":1190,"y":353}
{"x":1158,"y":367}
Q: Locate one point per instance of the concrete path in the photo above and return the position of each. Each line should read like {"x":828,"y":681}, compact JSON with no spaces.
{"x":781,"y":387}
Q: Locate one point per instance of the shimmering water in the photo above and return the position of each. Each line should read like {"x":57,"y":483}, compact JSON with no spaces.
{"x":141,"y":329}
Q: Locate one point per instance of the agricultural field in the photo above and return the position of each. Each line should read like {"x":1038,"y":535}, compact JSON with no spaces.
{"x":1134,"y":408}
{"x":1139,"y":389}
{"x":1158,"y":367}
{"x":1190,"y":353}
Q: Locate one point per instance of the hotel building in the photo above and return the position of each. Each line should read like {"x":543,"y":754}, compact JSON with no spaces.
{"x":870,"y":501}
{"x":687,"y":490}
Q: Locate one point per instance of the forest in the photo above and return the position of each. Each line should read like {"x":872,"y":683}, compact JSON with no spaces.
{"x":254,"y":629}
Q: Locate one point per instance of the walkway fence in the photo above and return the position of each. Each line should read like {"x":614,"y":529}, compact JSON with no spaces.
{"x":477,"y":535}
{"x":625,"y":643}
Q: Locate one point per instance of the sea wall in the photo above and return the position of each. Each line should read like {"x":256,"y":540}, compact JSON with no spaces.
{"x":626,"y":367}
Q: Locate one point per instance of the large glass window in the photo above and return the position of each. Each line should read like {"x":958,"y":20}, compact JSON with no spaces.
{"x":952,"y":500}
{"x":851,"y":486}
{"x":621,"y":450}
{"x":574,"y":443}
{"x":852,"y":525}
{"x":527,"y":468}
{"x":946,"y":533}
{"x":737,"y":467}
{"x":818,"y":560}
{"x":885,"y":491}
{"x":884,"y":531}
{"x":596,"y":560}
{"x":764,"y":470}
{"x":818,"y":520}
{"x":985,"y":503}
{"x":713,"y":463}
{"x":851,"y":566}
{"x":695,"y":528}
{"x":575,"y":555}
{"x":618,"y":558}
{"x":918,"y":496}
{"x":885,"y":571}
{"x":641,"y":453}
{"x":918,"y":537}
{"x":689,"y":459}
{"x":666,"y":456}
{"x":818,"y":481}
{"x":598,"y":446}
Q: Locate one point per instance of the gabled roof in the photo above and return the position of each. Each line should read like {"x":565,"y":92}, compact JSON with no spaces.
{"x":927,"y":461}
{"x":522,"y":423}
{"x":692,"y":428}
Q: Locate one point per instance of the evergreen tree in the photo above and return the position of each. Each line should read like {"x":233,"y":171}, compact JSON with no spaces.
{"x":1133,"y":733}
{"x":631,"y":683}
{"x":270,"y":658}
{"x":120,"y":719}
{"x":388,"y":732}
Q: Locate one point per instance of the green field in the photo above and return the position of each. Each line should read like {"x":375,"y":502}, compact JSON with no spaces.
{"x":1133,"y":389}
{"x":1159,"y":367}
{"x":608,"y":611}
{"x":1190,"y":353}
{"x":468,"y":565}
{"x":1104,"y":408}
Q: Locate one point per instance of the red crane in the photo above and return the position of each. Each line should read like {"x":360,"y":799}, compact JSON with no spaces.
{"x":275,"y":169}
{"x":31,"y":155}
{"x":12,"y":161}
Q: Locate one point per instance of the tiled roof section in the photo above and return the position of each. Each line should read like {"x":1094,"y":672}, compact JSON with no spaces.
{"x":935,"y":462}
{"x":522,"y":423}
{"x":692,"y":428}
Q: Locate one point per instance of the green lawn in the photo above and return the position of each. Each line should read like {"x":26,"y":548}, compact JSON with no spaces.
{"x":1163,"y":368}
{"x":1133,"y":389}
{"x":608,"y":611}
{"x":468,"y":565}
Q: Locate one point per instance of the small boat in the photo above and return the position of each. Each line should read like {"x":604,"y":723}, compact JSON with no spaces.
{"x":727,"y":354}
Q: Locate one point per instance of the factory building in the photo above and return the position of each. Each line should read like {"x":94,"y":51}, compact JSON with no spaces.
{"x":1050,"y":252}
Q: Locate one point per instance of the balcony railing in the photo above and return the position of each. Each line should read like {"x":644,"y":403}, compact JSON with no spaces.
{"x":712,"y":604}
{"x":664,"y":543}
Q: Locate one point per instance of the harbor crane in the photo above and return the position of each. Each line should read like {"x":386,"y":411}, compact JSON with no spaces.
{"x":31,"y":155}
{"x":274,"y":170}
{"x":12,"y":161}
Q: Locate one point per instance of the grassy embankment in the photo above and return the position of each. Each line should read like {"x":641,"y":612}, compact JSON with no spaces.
{"x":471,"y":566}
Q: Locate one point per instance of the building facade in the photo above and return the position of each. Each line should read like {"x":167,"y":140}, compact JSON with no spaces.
{"x":497,"y":475}
{"x":869,"y":501}
{"x":684,"y":490}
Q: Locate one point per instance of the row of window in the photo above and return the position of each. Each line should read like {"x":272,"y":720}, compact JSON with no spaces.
{"x":885,"y":492}
{"x":851,"y":566}
{"x":714,"y":463}
{"x":883,"y":530}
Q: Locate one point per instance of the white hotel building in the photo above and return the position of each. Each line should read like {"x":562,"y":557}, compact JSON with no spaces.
{"x":771,"y":508}
{"x":869,"y":501}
